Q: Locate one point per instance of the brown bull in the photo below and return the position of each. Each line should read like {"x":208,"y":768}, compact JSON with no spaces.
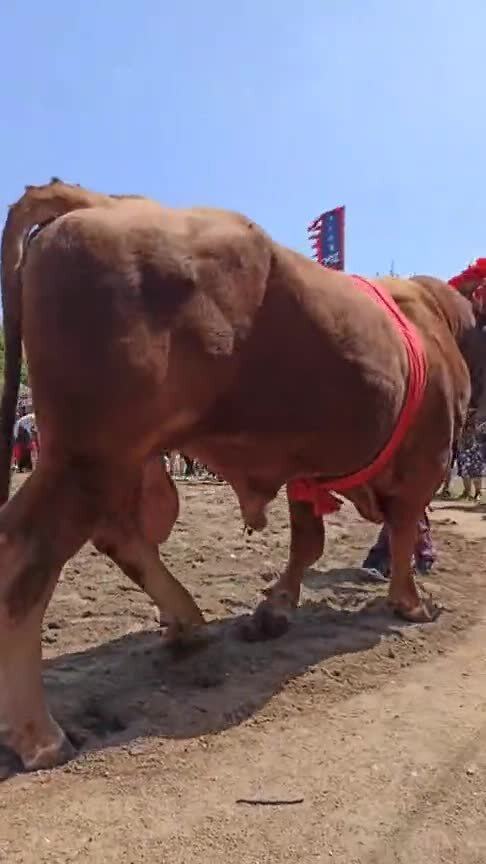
{"x":191,"y":330}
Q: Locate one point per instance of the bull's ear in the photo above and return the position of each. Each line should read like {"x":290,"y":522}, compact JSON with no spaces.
{"x":55,"y":180}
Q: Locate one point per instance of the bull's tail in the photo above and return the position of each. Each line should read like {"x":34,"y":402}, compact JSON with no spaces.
{"x":38,"y":205}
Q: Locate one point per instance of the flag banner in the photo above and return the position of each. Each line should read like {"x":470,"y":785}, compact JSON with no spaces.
{"x":326,"y":234}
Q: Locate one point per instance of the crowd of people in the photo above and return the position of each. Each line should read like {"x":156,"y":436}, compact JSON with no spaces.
{"x":25,"y":443}
{"x":183,"y":467}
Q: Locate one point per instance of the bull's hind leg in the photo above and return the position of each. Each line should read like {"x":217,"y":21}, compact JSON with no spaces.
{"x":307,"y":536}
{"x":404,"y":596}
{"x":42,"y":526}
{"x":131,"y":540}
{"x":140,"y":560}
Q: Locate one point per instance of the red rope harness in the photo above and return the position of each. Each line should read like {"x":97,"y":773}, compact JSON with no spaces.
{"x":319,"y":493}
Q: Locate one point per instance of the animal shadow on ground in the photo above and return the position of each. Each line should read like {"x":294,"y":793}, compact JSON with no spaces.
{"x":134,"y":686}
{"x":459,"y":505}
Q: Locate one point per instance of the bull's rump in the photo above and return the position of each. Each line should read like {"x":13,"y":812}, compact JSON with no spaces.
{"x":194,"y":326}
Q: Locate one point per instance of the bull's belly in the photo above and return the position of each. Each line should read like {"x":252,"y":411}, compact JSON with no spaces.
{"x":324,"y":413}
{"x":329,"y":451}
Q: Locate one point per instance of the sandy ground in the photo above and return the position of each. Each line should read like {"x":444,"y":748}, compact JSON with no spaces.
{"x":377,"y":729}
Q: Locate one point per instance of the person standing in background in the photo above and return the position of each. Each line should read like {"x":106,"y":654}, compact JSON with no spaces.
{"x":34,"y":446}
{"x":21,"y":448}
{"x":470,"y":460}
{"x":378,"y":559}
{"x":446,"y":489}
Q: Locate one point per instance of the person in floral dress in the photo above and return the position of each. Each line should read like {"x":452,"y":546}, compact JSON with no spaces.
{"x":470,"y":460}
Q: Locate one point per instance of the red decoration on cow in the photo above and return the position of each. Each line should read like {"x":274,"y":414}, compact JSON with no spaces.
{"x":472,"y":283}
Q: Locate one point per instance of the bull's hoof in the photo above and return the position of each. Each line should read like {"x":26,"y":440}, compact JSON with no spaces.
{"x":32,"y":746}
{"x":268,"y":622}
{"x":182,"y":641}
{"x":162,"y":618}
{"x":424,"y":612}
{"x":49,"y":755}
{"x":194,"y":620}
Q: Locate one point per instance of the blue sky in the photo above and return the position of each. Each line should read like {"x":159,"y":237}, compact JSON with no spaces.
{"x":277,"y":109}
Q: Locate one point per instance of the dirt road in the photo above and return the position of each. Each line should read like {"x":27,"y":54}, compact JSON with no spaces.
{"x":379,"y":728}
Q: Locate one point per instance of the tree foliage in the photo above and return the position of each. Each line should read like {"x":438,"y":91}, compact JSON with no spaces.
{"x":2,"y":362}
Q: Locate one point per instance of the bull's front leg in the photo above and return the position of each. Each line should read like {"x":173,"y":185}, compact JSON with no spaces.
{"x":404,"y":596}
{"x":273,"y":615}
